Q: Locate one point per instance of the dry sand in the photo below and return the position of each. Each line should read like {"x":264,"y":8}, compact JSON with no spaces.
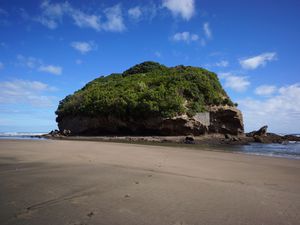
{"x":80,"y":182}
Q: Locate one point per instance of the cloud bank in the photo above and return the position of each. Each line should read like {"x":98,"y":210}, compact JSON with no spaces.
{"x":25,"y":92}
{"x":280,"y":111}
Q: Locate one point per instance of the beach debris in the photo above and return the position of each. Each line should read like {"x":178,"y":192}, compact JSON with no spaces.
{"x":127,"y":196}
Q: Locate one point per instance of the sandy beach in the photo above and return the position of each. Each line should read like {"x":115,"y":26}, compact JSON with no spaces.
{"x":52,"y":182}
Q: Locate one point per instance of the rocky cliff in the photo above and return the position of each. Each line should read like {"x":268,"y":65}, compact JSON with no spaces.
{"x":151,"y":99}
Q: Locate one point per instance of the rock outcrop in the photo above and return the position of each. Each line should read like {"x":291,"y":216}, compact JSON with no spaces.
{"x":262,"y":136}
{"x":226,"y":120}
{"x":151,"y":99}
{"x":261,"y":132}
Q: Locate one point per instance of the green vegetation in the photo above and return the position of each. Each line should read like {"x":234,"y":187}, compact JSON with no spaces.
{"x":147,"y":90}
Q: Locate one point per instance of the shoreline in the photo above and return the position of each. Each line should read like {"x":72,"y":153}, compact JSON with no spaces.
{"x":202,"y":143}
{"x":211,"y":142}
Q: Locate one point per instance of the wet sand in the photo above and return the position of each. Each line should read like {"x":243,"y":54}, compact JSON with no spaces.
{"x":52,"y":182}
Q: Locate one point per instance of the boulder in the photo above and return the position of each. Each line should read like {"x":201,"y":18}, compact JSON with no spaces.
{"x":66,"y":132}
{"x":189,"y":140}
{"x":226,"y":120}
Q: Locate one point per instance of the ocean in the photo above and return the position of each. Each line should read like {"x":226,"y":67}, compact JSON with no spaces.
{"x":289,"y":150}
{"x":21,"y":135}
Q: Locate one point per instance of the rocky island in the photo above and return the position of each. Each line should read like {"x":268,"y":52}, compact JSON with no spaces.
{"x":151,"y":99}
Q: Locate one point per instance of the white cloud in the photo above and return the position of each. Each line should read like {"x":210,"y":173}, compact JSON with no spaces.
{"x":37,"y":64}
{"x":183,"y":8}
{"x":27,"y":92}
{"x":265,"y":90}
{"x":83,"y":47}
{"x":281,"y":112}
{"x":236,"y":83}
{"x":53,"y":13}
{"x":54,"y":10}
{"x":185,"y":36}
{"x":146,"y":12}
{"x":135,"y":13}
{"x":56,"y":70}
{"x":114,"y":19}
{"x":207,"y":30}
{"x":51,"y":24}
{"x":257,"y":61}
{"x":84,"y":20}
{"x":1,"y":65}
{"x":29,"y":62}
{"x":222,"y":63}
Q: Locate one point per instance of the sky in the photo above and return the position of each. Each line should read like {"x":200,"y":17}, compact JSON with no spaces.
{"x":51,"y":48}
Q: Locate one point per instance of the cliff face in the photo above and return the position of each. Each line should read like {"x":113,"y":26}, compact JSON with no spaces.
{"x":151,"y":99}
{"x":223,"y":120}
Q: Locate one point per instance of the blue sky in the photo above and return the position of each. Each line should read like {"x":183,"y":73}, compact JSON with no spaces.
{"x":49,"y":49}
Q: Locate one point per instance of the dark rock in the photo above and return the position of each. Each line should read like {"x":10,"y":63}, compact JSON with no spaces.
{"x":269,"y":138}
{"x":259,"y":139}
{"x":235,"y":139}
{"x":189,"y":140}
{"x":291,"y":138}
{"x":261,"y":132}
{"x":224,"y":120}
{"x":66,"y":132}
{"x":54,"y":132}
{"x":228,"y":136}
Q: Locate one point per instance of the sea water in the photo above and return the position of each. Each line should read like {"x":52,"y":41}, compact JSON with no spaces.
{"x":290,"y":149}
{"x":21,"y":135}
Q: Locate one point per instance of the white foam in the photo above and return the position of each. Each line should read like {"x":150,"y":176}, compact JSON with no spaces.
{"x":20,"y":134}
